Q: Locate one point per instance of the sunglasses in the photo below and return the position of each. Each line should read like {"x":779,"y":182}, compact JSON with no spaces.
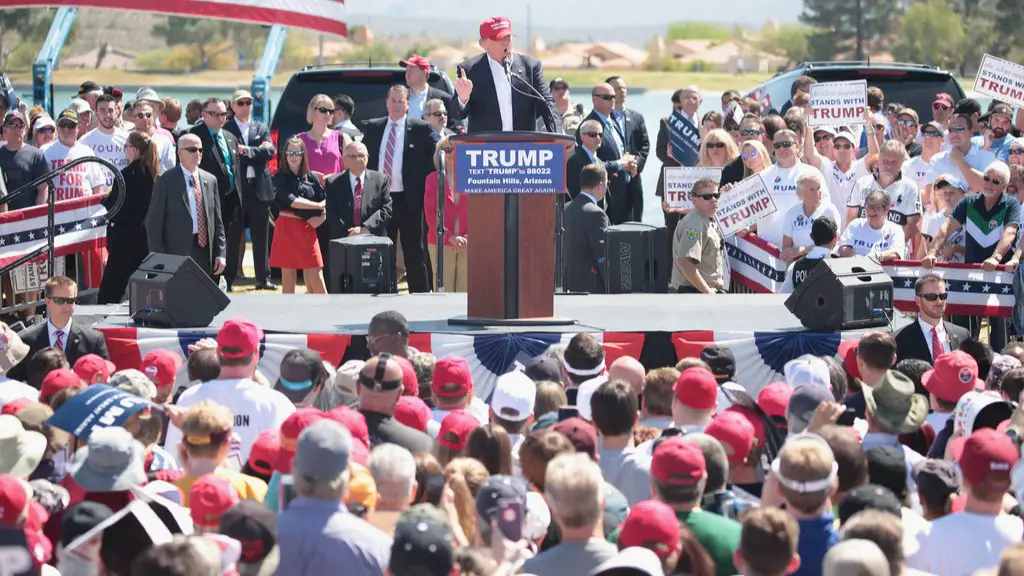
{"x":931,"y":133}
{"x":45,"y":130}
{"x":875,"y":207}
{"x":142,"y":115}
{"x":67,"y":126}
{"x":786,"y":144}
{"x":826,"y":137}
{"x":244,"y":102}
{"x":933,"y":296}
{"x":940,"y":107}
{"x":749,"y":155}
{"x":906,"y":123}
{"x":440,"y":114}
{"x":958,"y":129}
{"x":750,"y":132}
{"x":594,"y":134}
{"x":714,"y":196}
{"x":992,"y":180}
{"x":325,"y":110}
{"x":215,"y":114}
{"x":294,"y":153}
{"x":1016,"y":151}
{"x":15,"y":125}
{"x":605,"y":96}
{"x":63,"y":300}
{"x":193,"y":149}
{"x":846,"y":146}
{"x":716,"y":145}
{"x":878,"y":127}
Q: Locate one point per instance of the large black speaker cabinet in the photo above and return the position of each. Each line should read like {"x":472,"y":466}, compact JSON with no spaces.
{"x":173,"y":292}
{"x":638,"y":258}
{"x":362,"y":265}
{"x":843,"y":294}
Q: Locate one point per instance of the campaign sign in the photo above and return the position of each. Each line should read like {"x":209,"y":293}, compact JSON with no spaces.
{"x":838,"y":103}
{"x":679,"y":182}
{"x":98,"y":406}
{"x":510,"y":168}
{"x":1001,"y":79}
{"x":746,"y":203}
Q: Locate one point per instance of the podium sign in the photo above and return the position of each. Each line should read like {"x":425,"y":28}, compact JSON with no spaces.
{"x":511,"y":179}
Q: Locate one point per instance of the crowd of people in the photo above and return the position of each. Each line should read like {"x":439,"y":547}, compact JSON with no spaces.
{"x":897,"y":456}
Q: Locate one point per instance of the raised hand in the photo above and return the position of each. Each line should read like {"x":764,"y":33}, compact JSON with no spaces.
{"x":463,"y":86}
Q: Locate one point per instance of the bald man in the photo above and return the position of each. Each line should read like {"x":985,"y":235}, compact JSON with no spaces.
{"x":184,"y":215}
{"x":378,"y":388}
{"x":629,"y":370}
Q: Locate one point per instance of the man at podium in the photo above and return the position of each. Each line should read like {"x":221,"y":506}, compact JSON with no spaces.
{"x":502,"y":91}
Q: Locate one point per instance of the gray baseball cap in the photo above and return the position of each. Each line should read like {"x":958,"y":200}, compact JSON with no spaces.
{"x":323,"y":451}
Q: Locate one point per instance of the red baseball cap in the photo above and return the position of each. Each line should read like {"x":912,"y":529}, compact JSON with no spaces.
{"x":89,"y":365}
{"x":774,"y":398}
{"x":697,"y":388}
{"x":413,"y":412}
{"x":209,"y":498}
{"x":263,"y":453}
{"x":848,"y":352}
{"x":496,"y":28}
{"x":292,"y":426}
{"x":455,"y":429}
{"x":14,"y":499}
{"x":241,"y":335}
{"x":678,"y":461}
{"x":417,"y":61}
{"x":451,"y":377}
{"x":653,"y":525}
{"x":735,"y":432}
{"x":161,"y":366}
{"x":580,"y":433}
{"x":987,"y":452}
{"x":410,"y":384}
{"x":353,"y":420}
{"x":955,"y":374}
{"x":17,"y":405}
{"x":943,"y":98}
{"x":56,"y":381}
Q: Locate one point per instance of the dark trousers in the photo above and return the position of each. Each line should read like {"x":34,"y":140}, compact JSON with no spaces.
{"x":257,"y":215}
{"x":126,"y":251}
{"x":636,"y":198}
{"x":202,"y":257}
{"x":410,"y":223}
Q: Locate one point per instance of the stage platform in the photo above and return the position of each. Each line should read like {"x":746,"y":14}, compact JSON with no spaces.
{"x":659,"y":329}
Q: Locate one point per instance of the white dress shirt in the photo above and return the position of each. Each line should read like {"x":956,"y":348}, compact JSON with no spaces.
{"x":503,"y":88}
{"x":191,"y":196}
{"x":926,"y":328}
{"x":53,"y":333}
{"x":243,"y":129}
{"x":396,"y":183}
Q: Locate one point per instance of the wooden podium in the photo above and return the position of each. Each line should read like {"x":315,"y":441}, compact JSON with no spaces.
{"x":512,"y":258}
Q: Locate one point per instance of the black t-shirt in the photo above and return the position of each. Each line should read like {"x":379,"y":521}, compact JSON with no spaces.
{"x":385,"y":429}
{"x":19,"y":168}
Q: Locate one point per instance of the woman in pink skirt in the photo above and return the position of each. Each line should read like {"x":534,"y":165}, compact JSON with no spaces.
{"x":301,"y":197}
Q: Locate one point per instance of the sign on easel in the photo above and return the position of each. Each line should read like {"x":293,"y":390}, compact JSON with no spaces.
{"x":33,"y":275}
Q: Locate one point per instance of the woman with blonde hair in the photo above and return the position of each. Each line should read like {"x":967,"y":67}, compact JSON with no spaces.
{"x":717,"y":149}
{"x":324,"y":145}
{"x":302,"y":200}
{"x":456,"y":227}
{"x":464,"y":477}
{"x":755,"y":158}
{"x":127,"y":245}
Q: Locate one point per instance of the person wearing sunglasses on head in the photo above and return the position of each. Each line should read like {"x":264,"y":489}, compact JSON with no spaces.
{"x":698,"y":250}
{"x":931,"y":336}
{"x":255,"y":150}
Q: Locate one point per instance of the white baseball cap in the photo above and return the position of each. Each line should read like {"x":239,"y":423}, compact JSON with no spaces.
{"x":514,"y":397}
{"x":807,"y":370}
{"x":586,"y":391}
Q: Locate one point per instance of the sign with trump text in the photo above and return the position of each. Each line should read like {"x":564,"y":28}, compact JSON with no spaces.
{"x":746,"y":203}
{"x":98,"y":406}
{"x":679,"y":182}
{"x":838,"y":103}
{"x":1001,"y":79}
{"x":510,"y":168}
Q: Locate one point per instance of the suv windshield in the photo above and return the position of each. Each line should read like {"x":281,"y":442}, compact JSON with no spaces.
{"x":367,"y":87}
{"x":913,"y":88}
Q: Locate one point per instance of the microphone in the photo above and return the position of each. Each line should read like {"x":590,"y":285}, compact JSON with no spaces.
{"x":549,"y":121}
{"x":507,"y":63}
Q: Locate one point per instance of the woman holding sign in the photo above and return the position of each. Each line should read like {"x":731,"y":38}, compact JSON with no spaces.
{"x":796,"y":231}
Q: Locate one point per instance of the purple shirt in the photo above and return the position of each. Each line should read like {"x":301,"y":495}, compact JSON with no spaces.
{"x":326,"y":157}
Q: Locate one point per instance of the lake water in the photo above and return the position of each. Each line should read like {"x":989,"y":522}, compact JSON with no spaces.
{"x":654,"y":105}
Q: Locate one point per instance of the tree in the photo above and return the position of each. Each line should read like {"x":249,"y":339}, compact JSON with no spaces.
{"x":841,"y":22}
{"x":20,"y":26}
{"x":1008,"y":26}
{"x":930,"y":33}
{"x":790,"y":41}
{"x":687,"y":30}
{"x":208,"y":36}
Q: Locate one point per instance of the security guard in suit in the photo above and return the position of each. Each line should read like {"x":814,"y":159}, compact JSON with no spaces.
{"x":583,"y":242}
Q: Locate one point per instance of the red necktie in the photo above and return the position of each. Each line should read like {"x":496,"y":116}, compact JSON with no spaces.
{"x":59,"y":335}
{"x":937,"y":349}
{"x":200,"y":212}
{"x":357,"y":203}
{"x":389,"y":152}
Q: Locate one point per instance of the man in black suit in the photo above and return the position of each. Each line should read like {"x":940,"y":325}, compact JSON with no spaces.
{"x":357,"y":182}
{"x":634,"y":130}
{"x":417,"y":70}
{"x":929,"y":336}
{"x":402,"y":148}
{"x":583,"y":260}
{"x":76,"y":340}
{"x":591,"y":136}
{"x":184,"y":215}
{"x":255,"y":149}
{"x":220,"y":159}
{"x":499,"y":98}
{"x":612,"y":148}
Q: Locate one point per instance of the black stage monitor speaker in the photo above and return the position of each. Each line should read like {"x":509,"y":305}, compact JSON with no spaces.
{"x":843,"y":294}
{"x":362,"y":265}
{"x":174,"y":292}
{"x":638,"y":258}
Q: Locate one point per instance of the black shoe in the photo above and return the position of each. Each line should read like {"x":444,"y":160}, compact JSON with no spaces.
{"x":267,"y":286}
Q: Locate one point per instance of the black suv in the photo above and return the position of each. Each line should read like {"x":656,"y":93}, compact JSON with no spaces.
{"x":912,"y":85}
